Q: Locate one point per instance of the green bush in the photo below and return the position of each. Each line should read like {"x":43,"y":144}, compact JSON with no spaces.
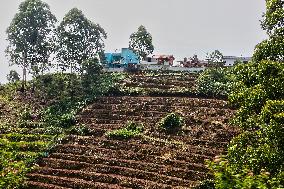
{"x":171,"y":122}
{"x":215,"y":82}
{"x":132,"y":129}
{"x":206,"y":184}
{"x":79,"y":130}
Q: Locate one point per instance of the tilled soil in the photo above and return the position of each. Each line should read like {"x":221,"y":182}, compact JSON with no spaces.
{"x":153,"y":160}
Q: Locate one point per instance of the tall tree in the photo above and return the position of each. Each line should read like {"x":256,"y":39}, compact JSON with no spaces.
{"x":30,"y":37}
{"x":141,"y":42}
{"x":273,"y":23}
{"x":215,"y":59}
{"x":79,"y":39}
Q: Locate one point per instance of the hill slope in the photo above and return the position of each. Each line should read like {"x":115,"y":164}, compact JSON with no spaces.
{"x":153,"y":159}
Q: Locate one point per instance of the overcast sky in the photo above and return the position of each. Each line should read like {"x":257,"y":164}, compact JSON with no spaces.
{"x":178,"y":27}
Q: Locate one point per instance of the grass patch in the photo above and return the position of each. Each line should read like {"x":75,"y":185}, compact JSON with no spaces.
{"x":132,"y":129}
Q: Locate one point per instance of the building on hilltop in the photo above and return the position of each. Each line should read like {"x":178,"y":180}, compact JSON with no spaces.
{"x":193,"y":62}
{"x":157,"y":62}
{"x":230,"y":60}
{"x":126,"y":58}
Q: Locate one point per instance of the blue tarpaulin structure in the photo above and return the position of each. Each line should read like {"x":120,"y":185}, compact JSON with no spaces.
{"x":121,"y":60}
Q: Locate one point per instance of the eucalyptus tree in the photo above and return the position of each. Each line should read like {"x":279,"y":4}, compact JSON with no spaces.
{"x":141,"y":42}
{"x":78,"y":39}
{"x":30,"y":37}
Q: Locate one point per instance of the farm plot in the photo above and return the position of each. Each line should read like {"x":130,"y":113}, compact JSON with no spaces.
{"x":162,"y":84}
{"x":153,"y":159}
{"x":22,"y":140}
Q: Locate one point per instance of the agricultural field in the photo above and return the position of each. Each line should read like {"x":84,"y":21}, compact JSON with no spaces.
{"x":68,"y":122}
{"x":102,"y":153}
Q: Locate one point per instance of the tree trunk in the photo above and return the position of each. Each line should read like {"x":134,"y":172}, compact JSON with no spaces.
{"x":24,"y":72}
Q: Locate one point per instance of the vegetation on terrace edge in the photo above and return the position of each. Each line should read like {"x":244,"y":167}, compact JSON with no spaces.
{"x":131,"y":129}
{"x":47,"y":112}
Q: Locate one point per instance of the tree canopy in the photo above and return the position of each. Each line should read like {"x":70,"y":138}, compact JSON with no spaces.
{"x":273,"y":24}
{"x":255,"y":157}
{"x":215,"y":59}
{"x":141,"y":42}
{"x":13,"y":76}
{"x":78,"y":39}
{"x":30,"y":37}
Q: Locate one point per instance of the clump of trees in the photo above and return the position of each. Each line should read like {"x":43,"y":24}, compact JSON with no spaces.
{"x":255,"y":158}
{"x":33,"y":39}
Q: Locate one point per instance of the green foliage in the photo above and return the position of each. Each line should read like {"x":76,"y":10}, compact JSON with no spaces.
{"x":274,"y":17}
{"x":132,"y":129}
{"x":215,"y":59}
{"x":58,"y":86}
{"x":172,"y":122}
{"x":13,"y":76}
{"x":79,"y":130}
{"x":243,"y":178}
{"x":92,"y":70}
{"x":215,"y":82}
{"x":257,"y":83}
{"x":273,"y":22}
{"x":255,"y":158}
{"x":141,"y":42}
{"x":63,"y":97}
{"x":30,"y":36}
{"x":206,"y":184}
{"x":270,"y":49}
{"x":11,"y":172}
{"x":79,"y":39}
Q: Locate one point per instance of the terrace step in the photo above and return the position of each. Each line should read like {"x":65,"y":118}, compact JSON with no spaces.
{"x":180,"y":172}
{"x":68,"y":182}
{"x":40,"y":185}
{"x":176,"y":101}
{"x":88,"y":150}
{"x":165,"y":159}
{"x":107,"y":180}
{"x":124,"y":171}
{"x":143,"y":146}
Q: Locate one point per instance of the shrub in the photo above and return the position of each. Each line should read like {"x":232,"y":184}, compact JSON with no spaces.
{"x":215,"y":82}
{"x":206,"y":184}
{"x":79,"y":130}
{"x":132,"y":129}
{"x":171,"y":122}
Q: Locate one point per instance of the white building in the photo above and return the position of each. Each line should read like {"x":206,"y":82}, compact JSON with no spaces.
{"x":230,"y":60}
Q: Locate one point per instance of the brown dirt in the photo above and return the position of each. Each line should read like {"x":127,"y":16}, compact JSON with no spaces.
{"x":154,"y":160}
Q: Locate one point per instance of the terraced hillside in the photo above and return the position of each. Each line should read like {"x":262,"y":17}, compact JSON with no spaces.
{"x":158,"y":84}
{"x":153,"y":159}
